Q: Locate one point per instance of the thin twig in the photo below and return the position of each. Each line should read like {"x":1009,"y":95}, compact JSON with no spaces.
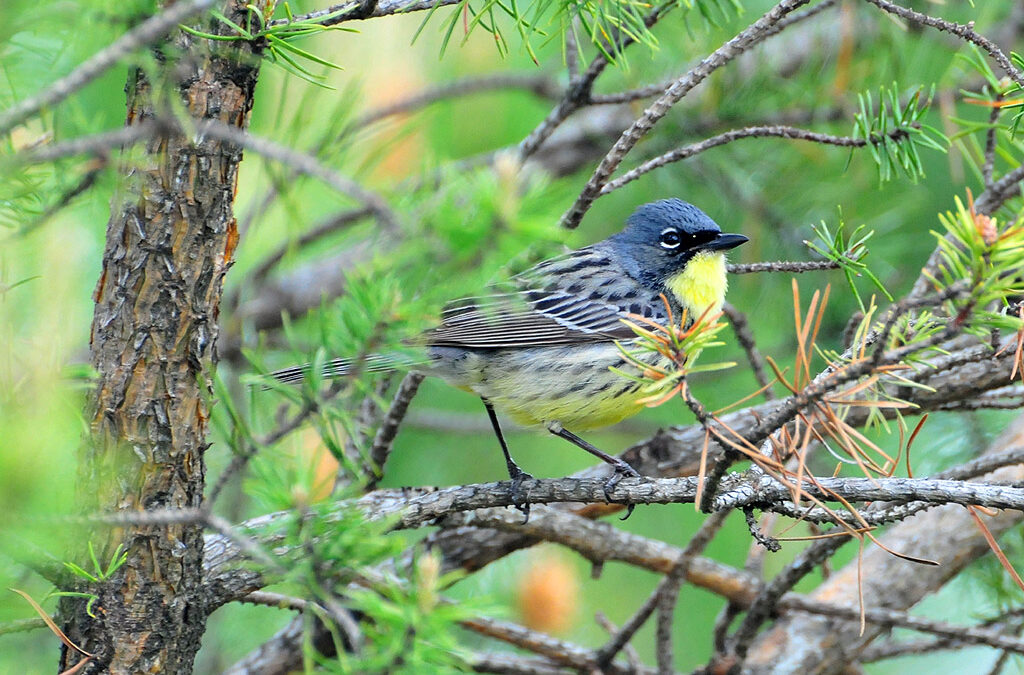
{"x":558,"y":651}
{"x":879,"y":651}
{"x":741,"y":328}
{"x":729,"y":454}
{"x":888,"y":617}
{"x":669,"y":586}
{"x":341,"y":616}
{"x":793,"y":267}
{"x":669,"y":591}
{"x":149,"y":31}
{"x":687,"y":151}
{"x":629,"y":650}
{"x":631,"y":95}
{"x":385,"y":438}
{"x":984,"y":464}
{"x":803,"y":16}
{"x":575,"y":97}
{"x":1001,"y":191}
{"x":600,"y":542}
{"x":505,"y":663}
{"x":367,"y":417}
{"x":768,"y":599}
{"x":990,"y":143}
{"x":279,"y":600}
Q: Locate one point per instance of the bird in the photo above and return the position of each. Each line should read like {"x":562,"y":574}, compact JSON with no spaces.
{"x":542,"y":351}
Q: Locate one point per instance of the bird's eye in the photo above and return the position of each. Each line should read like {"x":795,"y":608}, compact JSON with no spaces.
{"x":670,"y":238}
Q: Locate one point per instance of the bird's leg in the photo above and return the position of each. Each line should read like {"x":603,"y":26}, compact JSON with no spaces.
{"x":621,"y":467}
{"x":519,"y":500}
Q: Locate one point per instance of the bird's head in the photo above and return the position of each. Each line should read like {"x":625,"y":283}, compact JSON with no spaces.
{"x":673,"y":246}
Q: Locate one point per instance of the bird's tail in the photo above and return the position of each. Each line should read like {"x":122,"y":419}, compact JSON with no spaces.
{"x":372,"y":363}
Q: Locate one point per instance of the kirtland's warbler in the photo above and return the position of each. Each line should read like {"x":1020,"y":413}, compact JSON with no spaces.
{"x":542,"y":353}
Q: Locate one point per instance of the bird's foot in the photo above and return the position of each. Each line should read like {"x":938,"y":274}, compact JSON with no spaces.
{"x":520,"y":497}
{"x":622,"y":469}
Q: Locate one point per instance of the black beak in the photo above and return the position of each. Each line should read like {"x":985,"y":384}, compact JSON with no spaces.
{"x":724,"y":242}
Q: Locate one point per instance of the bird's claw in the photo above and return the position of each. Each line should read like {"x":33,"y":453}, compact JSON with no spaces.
{"x":622,"y":469}
{"x":520,"y":500}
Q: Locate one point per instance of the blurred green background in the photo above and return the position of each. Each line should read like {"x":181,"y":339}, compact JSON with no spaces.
{"x":463,"y":227}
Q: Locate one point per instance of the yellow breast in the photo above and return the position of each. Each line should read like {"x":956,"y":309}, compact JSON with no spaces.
{"x":701,"y":284}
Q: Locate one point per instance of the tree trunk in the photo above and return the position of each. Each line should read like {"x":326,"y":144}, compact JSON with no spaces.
{"x":170,"y":240}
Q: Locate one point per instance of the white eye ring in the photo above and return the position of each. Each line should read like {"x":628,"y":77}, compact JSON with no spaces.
{"x":667,"y":244}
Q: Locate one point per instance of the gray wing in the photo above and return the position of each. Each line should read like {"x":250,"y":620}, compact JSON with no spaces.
{"x":579,"y":298}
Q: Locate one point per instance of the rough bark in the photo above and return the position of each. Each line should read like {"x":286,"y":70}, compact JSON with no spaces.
{"x":169,"y":242}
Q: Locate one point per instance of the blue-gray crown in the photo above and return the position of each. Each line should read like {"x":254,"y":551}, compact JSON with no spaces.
{"x":662,"y":236}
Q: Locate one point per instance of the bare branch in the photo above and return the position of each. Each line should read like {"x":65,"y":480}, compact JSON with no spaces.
{"x":887,"y":617}
{"x":1000,"y":192}
{"x":415,"y":507}
{"x":631,"y":95}
{"x":768,"y":598}
{"x":889,"y":489}
{"x":803,"y":16}
{"x":792,"y":267}
{"x":510,"y":664}
{"x":741,"y":328}
{"x":668,"y":590}
{"x":669,"y":587}
{"x":558,"y":651}
{"x":100,"y":143}
{"x":688,"y":151}
{"x":1003,"y":625}
{"x":990,"y":143}
{"x":385,"y":438}
{"x":356,"y":10}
